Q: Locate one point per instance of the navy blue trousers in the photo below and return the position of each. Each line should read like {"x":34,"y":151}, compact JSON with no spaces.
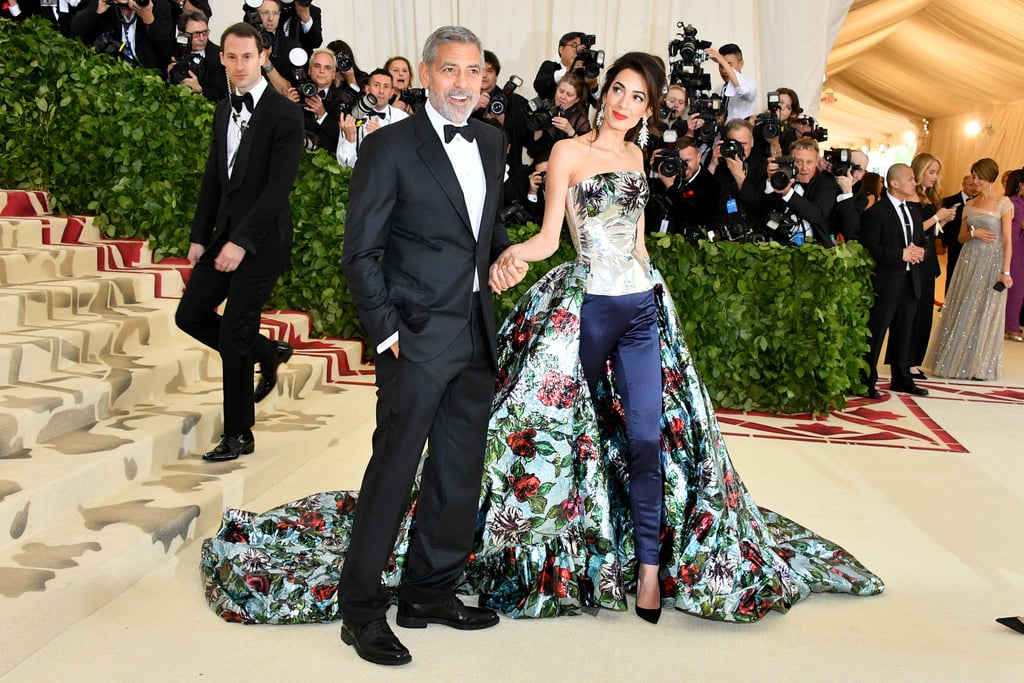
{"x":625,"y":330}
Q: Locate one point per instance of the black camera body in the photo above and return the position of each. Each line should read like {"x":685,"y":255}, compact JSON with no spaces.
{"x":687,"y":47}
{"x":709,"y":108}
{"x":499,"y":100}
{"x":252,"y":17}
{"x":732,"y":149}
{"x":300,"y":74}
{"x":780,"y":227}
{"x":591,"y":61}
{"x":817,"y":132}
{"x":183,"y":65}
{"x":841,"y":161}
{"x":786,"y":172}
{"x":356,"y":104}
{"x":541,"y":113}
{"x":515,"y":214}
{"x":413,"y":97}
{"x":342,"y":61}
{"x":767,"y":123}
{"x":667,"y":161}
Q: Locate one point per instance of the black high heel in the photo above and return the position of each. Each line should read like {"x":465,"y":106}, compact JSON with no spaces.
{"x":649,"y":615}
{"x":1009,"y":622}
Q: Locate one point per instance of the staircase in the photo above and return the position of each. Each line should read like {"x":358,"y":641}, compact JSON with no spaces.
{"x":104,"y":405}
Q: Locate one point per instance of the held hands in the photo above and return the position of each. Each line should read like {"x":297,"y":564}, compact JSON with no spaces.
{"x":507,"y":272}
{"x":229,"y":258}
{"x":913,"y":254}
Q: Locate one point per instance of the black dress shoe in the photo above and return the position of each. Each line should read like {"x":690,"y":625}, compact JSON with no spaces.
{"x":282,"y":351}
{"x":375,"y":642}
{"x":451,"y":613}
{"x":917,"y":374}
{"x":231,"y":446}
{"x":873,"y":394}
{"x":1012,"y":622}
{"x":913,"y":389}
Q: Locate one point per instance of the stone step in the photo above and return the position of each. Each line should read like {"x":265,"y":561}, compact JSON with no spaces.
{"x":24,"y":203}
{"x":52,"y":578}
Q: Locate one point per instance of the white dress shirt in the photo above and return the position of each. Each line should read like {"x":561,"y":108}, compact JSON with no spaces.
{"x":348,"y":152}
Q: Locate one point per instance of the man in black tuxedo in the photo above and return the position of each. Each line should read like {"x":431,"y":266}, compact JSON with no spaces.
{"x":950,"y":234}
{"x":242,"y":234}
{"x":892,"y":234}
{"x":683,"y":201}
{"x":206,"y":75}
{"x":810,"y":196}
{"x":144,"y":32}
{"x":420,"y":237}
{"x":321,"y":110}
{"x":741,"y":177}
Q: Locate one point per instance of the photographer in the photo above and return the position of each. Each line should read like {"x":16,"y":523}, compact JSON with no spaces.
{"x":141,"y":34}
{"x":360,"y":116}
{"x":565,"y":118}
{"x":321,"y":109}
{"x":741,"y":172}
{"x":198,"y":65}
{"x":848,"y":168}
{"x":305,"y":24}
{"x":739,"y":91}
{"x":401,"y":76}
{"x":346,"y":71}
{"x":551,"y":73}
{"x":59,"y":12}
{"x":524,"y":194}
{"x":278,"y":69}
{"x":675,"y":115}
{"x":684,"y":195}
{"x":507,"y":107}
{"x":795,"y":186}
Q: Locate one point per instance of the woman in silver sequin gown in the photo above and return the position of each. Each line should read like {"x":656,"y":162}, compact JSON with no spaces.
{"x":968,"y":342}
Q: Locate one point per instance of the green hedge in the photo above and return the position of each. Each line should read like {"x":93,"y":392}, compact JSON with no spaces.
{"x":772,"y":328}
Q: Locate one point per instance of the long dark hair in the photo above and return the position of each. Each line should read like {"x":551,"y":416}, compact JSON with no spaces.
{"x":654,"y":80}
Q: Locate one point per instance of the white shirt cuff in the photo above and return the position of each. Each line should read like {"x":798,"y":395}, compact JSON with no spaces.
{"x":387,"y":343}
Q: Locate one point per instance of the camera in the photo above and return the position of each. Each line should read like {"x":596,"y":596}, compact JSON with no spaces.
{"x":786,"y":172}
{"x":841,"y":161}
{"x":784,"y":228}
{"x":359,"y":106}
{"x":732,"y":149}
{"x":739,"y":229}
{"x":342,"y":61}
{"x":817,"y":132}
{"x":499,"y":100}
{"x":515,"y":214}
{"x":183,"y":65}
{"x":413,"y":97}
{"x":110,"y":43}
{"x":767,"y":124}
{"x":300,"y":75}
{"x":709,"y":107}
{"x":251,"y":16}
{"x":541,"y":113}
{"x":687,"y":48}
{"x":591,"y":60}
{"x":667,"y":161}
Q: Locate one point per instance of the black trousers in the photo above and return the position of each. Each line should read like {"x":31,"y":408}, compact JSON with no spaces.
{"x":236,"y":333}
{"x":895,"y":315}
{"x":444,"y":404}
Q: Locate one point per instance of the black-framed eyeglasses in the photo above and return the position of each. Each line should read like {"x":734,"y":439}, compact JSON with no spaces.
{"x":200,"y":34}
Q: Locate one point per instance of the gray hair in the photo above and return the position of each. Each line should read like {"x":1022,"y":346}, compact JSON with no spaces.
{"x":449,"y":34}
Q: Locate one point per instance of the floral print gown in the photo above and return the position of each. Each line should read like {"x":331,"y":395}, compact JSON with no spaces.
{"x":554,"y":534}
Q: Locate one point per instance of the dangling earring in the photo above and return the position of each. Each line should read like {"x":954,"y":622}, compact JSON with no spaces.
{"x":600,"y":116}
{"x":644,"y":136}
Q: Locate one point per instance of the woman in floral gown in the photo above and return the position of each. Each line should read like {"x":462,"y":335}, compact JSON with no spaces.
{"x":605,"y":471}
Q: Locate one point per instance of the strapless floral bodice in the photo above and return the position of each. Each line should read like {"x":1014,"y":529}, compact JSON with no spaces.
{"x":603,"y":212}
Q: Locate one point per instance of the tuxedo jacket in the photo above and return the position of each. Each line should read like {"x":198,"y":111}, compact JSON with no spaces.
{"x":292,"y":28}
{"x":950,"y":234}
{"x":32,"y":8}
{"x":881,"y":233}
{"x":215,"y":79}
{"x":815,"y":206}
{"x":154,"y":44}
{"x":328,"y":130}
{"x":847,"y":214}
{"x":750,"y":195}
{"x":251,"y":208}
{"x":409,"y":254}
{"x":684,"y":204}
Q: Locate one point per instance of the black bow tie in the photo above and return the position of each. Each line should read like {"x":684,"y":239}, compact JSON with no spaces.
{"x":238,"y":100}
{"x":465,"y":131}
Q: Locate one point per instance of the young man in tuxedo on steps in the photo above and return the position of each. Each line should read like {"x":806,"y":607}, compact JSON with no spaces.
{"x":242,"y":234}
{"x":420,"y":237}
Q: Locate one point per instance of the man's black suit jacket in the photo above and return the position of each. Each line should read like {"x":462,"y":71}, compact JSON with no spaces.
{"x":686,"y":205}
{"x":292,"y":28}
{"x":252,"y":207}
{"x":881,"y":233}
{"x":154,"y":44}
{"x":409,"y":254}
{"x":750,"y":195}
{"x":950,"y":234}
{"x":32,"y":8}
{"x":214,"y":81}
{"x":815,"y":206}
{"x":328,"y":130}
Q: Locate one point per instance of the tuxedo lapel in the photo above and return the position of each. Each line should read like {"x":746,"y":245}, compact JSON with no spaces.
{"x":431,"y":152}
{"x":220,"y":131}
{"x":490,"y":157}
